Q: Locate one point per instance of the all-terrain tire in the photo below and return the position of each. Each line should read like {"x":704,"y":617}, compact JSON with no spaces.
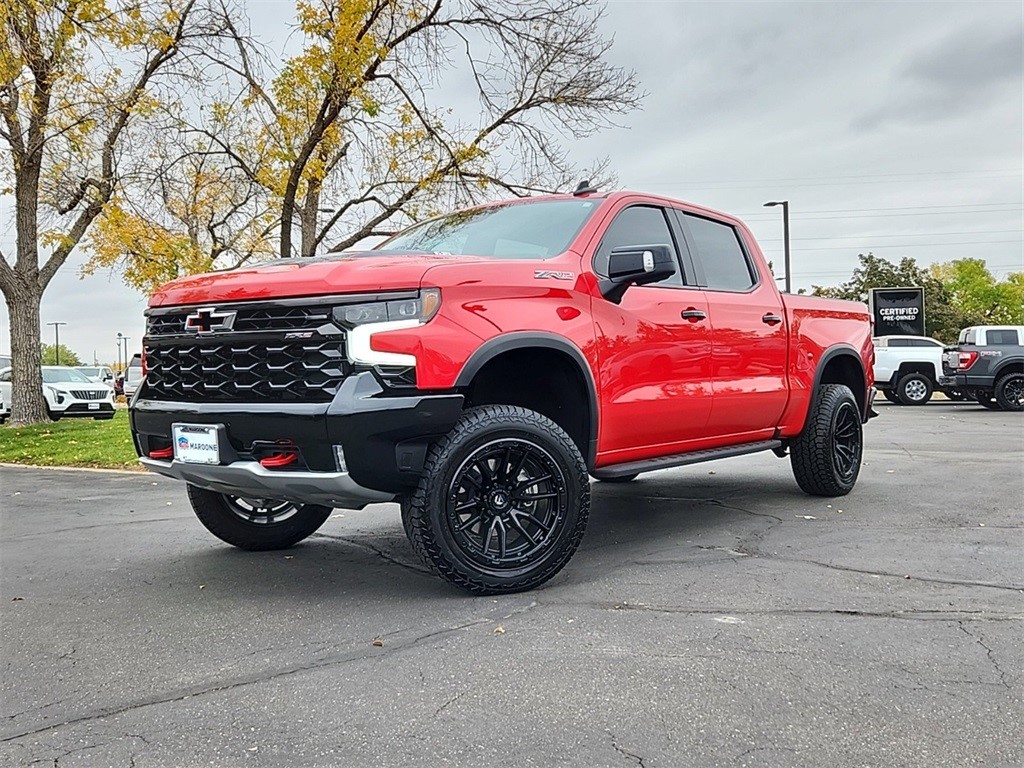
{"x":240,"y":523}
{"x":1010,"y":392}
{"x":914,"y":389}
{"x":890,"y":395}
{"x":827,"y":454}
{"x":482,"y":472}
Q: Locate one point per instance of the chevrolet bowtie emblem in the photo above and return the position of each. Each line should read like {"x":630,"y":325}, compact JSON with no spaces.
{"x":209,"y":320}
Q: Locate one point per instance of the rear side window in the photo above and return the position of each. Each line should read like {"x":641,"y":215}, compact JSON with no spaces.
{"x":899,"y":342}
{"x":1001,"y":338}
{"x":726,"y":267}
{"x":923,"y":343}
{"x":638,"y":225}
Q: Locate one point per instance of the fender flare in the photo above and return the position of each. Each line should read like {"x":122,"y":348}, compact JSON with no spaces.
{"x":832,"y":353}
{"x":1003,"y":365}
{"x":534,"y":339}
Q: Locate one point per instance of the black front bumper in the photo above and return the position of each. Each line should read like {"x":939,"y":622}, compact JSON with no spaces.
{"x":384,"y":437}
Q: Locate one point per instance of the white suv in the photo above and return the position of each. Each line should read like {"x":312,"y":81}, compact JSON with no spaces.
{"x":908,"y":368}
{"x":68,"y":393}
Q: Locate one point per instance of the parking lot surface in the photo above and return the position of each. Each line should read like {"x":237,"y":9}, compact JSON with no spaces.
{"x":714,"y":616}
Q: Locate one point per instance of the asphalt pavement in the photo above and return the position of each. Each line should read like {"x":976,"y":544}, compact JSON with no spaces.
{"x":714,"y":616}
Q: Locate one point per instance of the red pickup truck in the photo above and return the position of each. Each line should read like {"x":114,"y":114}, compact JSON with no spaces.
{"x":481,"y":367}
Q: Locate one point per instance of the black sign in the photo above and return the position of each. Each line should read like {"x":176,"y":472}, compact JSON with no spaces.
{"x":897,"y":311}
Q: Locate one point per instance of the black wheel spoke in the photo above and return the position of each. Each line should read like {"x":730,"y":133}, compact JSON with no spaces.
{"x":496,"y":520}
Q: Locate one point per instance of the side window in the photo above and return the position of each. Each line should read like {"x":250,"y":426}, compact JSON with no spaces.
{"x":638,"y":225}
{"x":923,"y":343}
{"x":899,"y":342}
{"x":726,"y":266}
{"x":1001,"y":338}
{"x":5,"y":376}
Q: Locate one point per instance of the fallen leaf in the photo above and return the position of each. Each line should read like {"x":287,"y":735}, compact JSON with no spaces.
{"x":806,"y":517}
{"x":289,"y":557}
{"x":378,"y":642}
{"x":202,"y":586}
{"x":499,"y":630}
{"x":906,"y":577}
{"x":16,"y":599}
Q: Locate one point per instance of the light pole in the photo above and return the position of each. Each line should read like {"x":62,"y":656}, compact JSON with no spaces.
{"x":125,"y":339}
{"x":785,"y":236}
{"x":119,"y":368}
{"x":56,"y":340}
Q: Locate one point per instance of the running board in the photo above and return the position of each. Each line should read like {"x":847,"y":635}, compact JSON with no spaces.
{"x":682,"y":459}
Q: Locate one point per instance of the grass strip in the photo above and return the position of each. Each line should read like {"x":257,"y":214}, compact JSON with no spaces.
{"x":77,"y":442}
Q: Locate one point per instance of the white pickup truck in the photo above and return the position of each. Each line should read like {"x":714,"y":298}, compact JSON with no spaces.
{"x":908,"y":369}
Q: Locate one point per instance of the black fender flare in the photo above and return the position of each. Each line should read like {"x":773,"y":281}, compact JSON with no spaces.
{"x":1003,"y":365}
{"x":525,"y":340}
{"x":832,"y":353}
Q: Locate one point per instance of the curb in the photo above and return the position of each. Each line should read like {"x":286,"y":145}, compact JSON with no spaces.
{"x":141,"y":472}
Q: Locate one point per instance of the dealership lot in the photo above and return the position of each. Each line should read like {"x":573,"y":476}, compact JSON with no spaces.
{"x":714,"y":616}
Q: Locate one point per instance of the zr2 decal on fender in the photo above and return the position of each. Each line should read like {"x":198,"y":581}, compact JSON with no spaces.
{"x":542,"y":274}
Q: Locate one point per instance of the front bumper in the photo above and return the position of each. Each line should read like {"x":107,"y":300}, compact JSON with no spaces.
{"x":81,"y":408}
{"x":251,"y":479}
{"x":384,"y":439}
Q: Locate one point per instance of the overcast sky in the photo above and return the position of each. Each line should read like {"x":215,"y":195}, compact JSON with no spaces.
{"x":891,"y":127}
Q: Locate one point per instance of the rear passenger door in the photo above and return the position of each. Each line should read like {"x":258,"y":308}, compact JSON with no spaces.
{"x":749,"y":336}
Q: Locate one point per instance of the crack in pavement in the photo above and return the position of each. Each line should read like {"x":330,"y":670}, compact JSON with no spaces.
{"x":915,"y":615}
{"x":890,"y":574}
{"x":448,"y":703}
{"x":625,"y":752}
{"x":241,"y":682}
{"x":374,"y":550}
{"x":989,"y":653}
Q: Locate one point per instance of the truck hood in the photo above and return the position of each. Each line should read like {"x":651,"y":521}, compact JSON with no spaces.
{"x":347,"y":272}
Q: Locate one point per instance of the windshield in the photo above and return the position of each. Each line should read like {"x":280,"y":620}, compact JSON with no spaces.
{"x":526,"y":230}
{"x":90,"y":371}
{"x":63,"y":375}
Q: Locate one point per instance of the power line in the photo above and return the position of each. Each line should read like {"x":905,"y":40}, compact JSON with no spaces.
{"x":904,"y":234}
{"x":998,"y":171}
{"x":903,"y":208}
{"x":908,"y":245}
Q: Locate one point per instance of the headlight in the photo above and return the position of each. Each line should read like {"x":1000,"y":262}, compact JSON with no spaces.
{"x":421,"y":309}
{"x":57,"y":394}
{"x":364,"y":320}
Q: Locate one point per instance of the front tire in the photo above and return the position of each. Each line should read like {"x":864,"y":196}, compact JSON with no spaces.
{"x":502,"y":503}
{"x":826,"y":456}
{"x":1010,"y":392}
{"x":914,"y":389}
{"x":256,"y":525}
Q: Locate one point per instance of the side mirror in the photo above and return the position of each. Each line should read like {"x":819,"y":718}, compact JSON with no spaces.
{"x":636,"y":265}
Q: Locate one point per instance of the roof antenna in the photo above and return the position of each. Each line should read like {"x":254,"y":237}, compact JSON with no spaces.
{"x":584,"y":188}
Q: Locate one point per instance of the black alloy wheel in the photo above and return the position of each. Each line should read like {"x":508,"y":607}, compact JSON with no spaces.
{"x":261,"y":511}
{"x":502,"y":503}
{"x":847,"y":441}
{"x":1010,"y":392}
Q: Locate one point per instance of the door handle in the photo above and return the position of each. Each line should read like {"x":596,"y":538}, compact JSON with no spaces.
{"x":771,"y":319}
{"x":692,"y":314}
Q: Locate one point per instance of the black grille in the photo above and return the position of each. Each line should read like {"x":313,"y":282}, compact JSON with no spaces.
{"x":213,"y":369}
{"x":247,"y":319}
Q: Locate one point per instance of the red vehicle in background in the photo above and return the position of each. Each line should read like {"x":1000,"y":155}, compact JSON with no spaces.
{"x":480,"y":367}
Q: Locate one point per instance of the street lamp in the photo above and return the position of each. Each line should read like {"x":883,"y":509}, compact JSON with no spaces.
{"x":119,"y":368}
{"x":56,"y":340}
{"x":785,"y":236}
{"x":125,"y":339}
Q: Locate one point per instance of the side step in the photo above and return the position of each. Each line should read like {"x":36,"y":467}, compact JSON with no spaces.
{"x":682,"y":459}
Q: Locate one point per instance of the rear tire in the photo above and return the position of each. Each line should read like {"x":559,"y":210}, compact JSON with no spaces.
{"x":914,"y":389}
{"x":502,"y":503}
{"x":1010,"y":392}
{"x":256,"y":525}
{"x":826,"y":456}
{"x":890,"y":395}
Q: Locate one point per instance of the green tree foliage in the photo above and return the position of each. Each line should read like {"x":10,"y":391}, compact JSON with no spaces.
{"x":67,"y":356}
{"x":942,"y":319}
{"x":981,"y":298}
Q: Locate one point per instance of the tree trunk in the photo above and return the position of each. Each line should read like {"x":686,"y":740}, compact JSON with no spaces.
{"x":27,"y":403}
{"x":309,"y":219}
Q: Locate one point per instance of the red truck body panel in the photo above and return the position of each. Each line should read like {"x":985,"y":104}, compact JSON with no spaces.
{"x":665,"y":385}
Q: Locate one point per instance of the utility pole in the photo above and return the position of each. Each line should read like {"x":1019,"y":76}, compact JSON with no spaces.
{"x":785,"y":237}
{"x":56,"y":340}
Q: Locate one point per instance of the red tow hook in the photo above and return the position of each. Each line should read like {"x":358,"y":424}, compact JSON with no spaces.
{"x":279,"y":460}
{"x":162,"y":453}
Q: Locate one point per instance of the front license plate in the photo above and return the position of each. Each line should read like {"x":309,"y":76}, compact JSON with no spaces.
{"x":196,"y":443}
{"x":94,"y":406}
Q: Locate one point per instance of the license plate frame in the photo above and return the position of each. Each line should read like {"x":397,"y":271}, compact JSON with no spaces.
{"x":94,"y":406}
{"x":196,"y":443}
